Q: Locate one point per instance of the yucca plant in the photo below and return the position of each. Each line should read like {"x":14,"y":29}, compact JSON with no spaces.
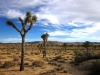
{"x":29,"y":19}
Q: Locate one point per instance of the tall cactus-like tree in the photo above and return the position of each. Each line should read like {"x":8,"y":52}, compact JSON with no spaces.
{"x":29,"y":19}
{"x":86,"y":45}
{"x":64,"y":46}
{"x":45,"y":38}
{"x":40,"y":47}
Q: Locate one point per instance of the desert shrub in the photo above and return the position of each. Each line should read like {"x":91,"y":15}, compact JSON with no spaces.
{"x":15,"y":59}
{"x":57,"y":57}
{"x":36,"y":53}
{"x":26,"y":63}
{"x":67,"y":56}
{"x":26,"y":53}
{"x":8,"y":64}
{"x":65,"y":71}
{"x":76,"y":52}
{"x":59,"y":68}
{"x":37,"y":63}
{"x":1,"y":63}
{"x":32,"y":52}
{"x":83,"y":57}
{"x":61,"y":60}
{"x":95,"y":69}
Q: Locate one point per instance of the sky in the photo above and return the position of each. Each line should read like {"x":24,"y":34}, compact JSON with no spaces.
{"x":63,"y":20}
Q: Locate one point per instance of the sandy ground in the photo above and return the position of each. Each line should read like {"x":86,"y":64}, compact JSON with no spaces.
{"x":45,"y":69}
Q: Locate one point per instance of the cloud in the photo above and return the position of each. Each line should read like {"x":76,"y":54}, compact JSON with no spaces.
{"x":11,"y":13}
{"x":64,"y":39}
{"x":58,"y":33}
{"x":14,"y":40}
{"x":73,"y":11}
{"x":71,"y":19}
{"x":56,"y":12}
{"x":88,"y":33}
{"x":50,"y":18}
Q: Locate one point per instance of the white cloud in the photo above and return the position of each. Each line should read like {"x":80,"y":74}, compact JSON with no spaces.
{"x":73,"y":11}
{"x":50,"y":18}
{"x":65,"y":39}
{"x":58,"y":33}
{"x":14,"y":40}
{"x":56,"y":11}
{"x":11,"y":13}
{"x":88,"y":33}
{"x":60,"y":13}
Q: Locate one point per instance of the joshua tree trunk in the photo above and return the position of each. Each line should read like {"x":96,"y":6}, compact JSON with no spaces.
{"x":44,"y":37}
{"x":87,"y":51}
{"x":22,"y":53}
{"x":44,"y":51}
{"x":65,"y":49}
{"x":45,"y":48}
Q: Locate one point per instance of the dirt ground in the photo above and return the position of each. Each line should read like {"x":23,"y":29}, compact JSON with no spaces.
{"x":50,"y":65}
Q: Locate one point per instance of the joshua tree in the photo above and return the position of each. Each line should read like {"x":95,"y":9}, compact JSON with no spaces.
{"x":86,"y":45}
{"x":44,"y":37}
{"x":40,"y":46}
{"x":92,"y":46}
{"x":64,"y":46}
{"x":29,"y":19}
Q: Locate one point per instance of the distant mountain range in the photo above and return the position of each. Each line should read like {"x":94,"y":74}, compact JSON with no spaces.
{"x":51,"y":42}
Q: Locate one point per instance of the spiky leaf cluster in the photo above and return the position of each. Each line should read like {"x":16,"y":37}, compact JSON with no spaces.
{"x":86,"y":44}
{"x":45,"y":36}
{"x":29,"y":18}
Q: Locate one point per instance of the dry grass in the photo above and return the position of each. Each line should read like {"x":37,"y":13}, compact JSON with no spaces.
{"x":33,"y":58}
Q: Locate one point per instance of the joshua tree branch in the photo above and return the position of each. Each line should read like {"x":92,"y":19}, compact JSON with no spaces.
{"x":20,"y":19}
{"x":13,"y":25}
{"x":23,"y":24}
{"x":29,"y":27}
{"x":16,"y":28}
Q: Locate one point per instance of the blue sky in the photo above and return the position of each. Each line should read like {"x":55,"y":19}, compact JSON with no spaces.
{"x":64,"y":20}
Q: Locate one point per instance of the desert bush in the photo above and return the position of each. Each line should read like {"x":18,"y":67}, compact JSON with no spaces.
{"x":57,"y":57}
{"x":1,"y":63}
{"x":26,"y":53}
{"x":26,"y":63}
{"x":59,"y":68}
{"x":32,"y":52}
{"x":67,"y":56}
{"x":86,"y":65}
{"x":76,"y":52}
{"x":61,"y":60}
{"x":8,"y":64}
{"x":65,"y":71}
{"x":36,"y":53}
{"x":37,"y":63}
{"x":16,"y":59}
{"x":95,"y":69}
{"x":83,"y":57}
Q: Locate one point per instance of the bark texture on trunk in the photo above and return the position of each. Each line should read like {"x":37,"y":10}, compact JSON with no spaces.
{"x":22,"y":54}
{"x":87,"y":51}
{"x":44,"y":51}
